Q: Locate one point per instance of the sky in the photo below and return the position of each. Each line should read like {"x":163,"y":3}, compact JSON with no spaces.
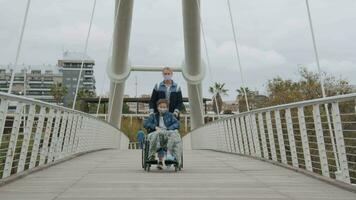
{"x":273,"y":37}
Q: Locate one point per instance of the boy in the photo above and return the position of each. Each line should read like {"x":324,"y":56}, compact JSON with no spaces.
{"x":165,"y":131}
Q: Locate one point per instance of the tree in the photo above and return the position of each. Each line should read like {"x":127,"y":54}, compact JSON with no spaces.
{"x":126,"y":109}
{"x":58,"y":91}
{"x":218,"y":90}
{"x":81,"y":104}
{"x":281,"y":91}
{"x":241,"y":100}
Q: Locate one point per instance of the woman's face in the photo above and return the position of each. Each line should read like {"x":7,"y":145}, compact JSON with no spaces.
{"x":167,"y":74}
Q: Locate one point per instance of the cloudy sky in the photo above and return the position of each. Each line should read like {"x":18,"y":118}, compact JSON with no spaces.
{"x":274,"y":38}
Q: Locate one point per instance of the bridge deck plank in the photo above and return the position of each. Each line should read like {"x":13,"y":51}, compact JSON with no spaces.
{"x":207,"y":175}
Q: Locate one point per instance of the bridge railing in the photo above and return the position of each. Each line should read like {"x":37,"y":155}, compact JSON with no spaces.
{"x":316,"y":135}
{"x":34,"y":133}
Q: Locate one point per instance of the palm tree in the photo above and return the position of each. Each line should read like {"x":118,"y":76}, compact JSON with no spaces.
{"x":81,"y":104}
{"x":241,"y":99}
{"x":218,"y":90}
{"x":58,"y":91}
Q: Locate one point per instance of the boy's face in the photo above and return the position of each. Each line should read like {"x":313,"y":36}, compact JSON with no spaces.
{"x":162,"y":106}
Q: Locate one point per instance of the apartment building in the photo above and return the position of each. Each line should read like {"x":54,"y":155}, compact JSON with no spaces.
{"x":31,"y":81}
{"x":70,"y":66}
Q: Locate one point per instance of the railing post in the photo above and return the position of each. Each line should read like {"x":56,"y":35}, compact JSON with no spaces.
{"x":255,"y":135}
{"x":243,"y":128}
{"x":282,"y":147}
{"x":218,"y":136}
{"x":3,"y":113}
{"x":231,"y":137}
{"x":305,"y":140}
{"x":222,"y":127}
{"x":340,"y":142}
{"x":13,"y":141}
{"x":239,"y":135}
{"x":291,"y":138}
{"x":37,"y":140}
{"x":234,"y":134}
{"x":271,"y":136}
{"x":320,"y":140}
{"x":228,"y":148}
{"x":73,"y":134}
{"x":249,"y":135}
{"x":263,"y":135}
{"x":59,"y":146}
{"x":67,"y":135}
{"x":54,"y":140}
{"x":44,"y":150}
{"x":26,"y":137}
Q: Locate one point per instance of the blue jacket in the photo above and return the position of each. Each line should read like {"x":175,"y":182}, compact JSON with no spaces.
{"x":175,"y":97}
{"x":152,"y":122}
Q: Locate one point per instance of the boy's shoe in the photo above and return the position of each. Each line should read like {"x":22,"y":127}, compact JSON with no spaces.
{"x":160,"y":165}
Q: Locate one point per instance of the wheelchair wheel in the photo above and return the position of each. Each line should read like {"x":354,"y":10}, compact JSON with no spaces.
{"x":181,"y":161}
{"x":143,"y":160}
{"x":145,"y":156}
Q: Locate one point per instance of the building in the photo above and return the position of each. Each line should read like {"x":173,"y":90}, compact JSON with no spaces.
{"x":138,"y":107}
{"x":31,"y":81}
{"x":70,"y":66}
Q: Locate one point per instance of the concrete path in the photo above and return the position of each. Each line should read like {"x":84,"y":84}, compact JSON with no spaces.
{"x":207,"y":175}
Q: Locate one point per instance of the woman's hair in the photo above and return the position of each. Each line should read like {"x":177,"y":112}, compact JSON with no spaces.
{"x":163,"y":101}
{"x":167,"y":68}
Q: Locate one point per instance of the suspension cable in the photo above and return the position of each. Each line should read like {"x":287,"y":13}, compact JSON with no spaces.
{"x":208,"y":58}
{"x":19,"y":46}
{"x":108,"y":62}
{"x":322,"y":82}
{"x":84,"y":54}
{"x":238,"y":56}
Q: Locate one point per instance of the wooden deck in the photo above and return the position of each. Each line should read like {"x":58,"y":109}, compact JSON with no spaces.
{"x":116,"y":174}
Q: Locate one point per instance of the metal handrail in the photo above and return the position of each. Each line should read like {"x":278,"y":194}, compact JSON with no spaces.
{"x":326,"y":100}
{"x":23,"y":99}
{"x":271,"y":133}
{"x":37,"y":133}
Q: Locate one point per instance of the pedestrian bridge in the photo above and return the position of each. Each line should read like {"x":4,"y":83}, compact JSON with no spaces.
{"x":283,"y":152}
{"x":304,"y":150}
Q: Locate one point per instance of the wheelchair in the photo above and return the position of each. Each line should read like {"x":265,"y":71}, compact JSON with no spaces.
{"x":146,"y":164}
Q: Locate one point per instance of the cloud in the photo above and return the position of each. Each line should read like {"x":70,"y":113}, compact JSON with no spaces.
{"x":273,"y":36}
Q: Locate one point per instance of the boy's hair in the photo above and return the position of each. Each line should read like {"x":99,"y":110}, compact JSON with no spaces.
{"x":163,"y":101}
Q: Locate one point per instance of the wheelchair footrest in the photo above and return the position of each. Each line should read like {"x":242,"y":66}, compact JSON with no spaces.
{"x":170,"y":162}
{"x":166,"y":162}
{"x":152,"y":162}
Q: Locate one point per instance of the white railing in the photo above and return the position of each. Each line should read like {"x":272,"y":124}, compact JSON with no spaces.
{"x":34,"y":133}
{"x":317,"y":135}
{"x":134,"y":145}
